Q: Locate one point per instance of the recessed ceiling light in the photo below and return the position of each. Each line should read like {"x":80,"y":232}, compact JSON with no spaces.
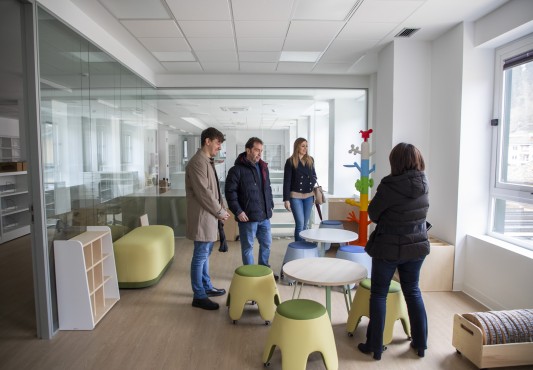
{"x":299,"y":56}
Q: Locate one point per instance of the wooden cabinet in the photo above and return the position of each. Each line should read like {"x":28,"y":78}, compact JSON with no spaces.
{"x":338,"y":209}
{"x":436,"y":274}
{"x":14,"y":205}
{"x":86,"y":278}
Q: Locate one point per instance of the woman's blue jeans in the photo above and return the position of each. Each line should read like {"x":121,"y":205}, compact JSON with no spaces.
{"x":247,"y":233}
{"x":200,"y":279}
{"x":301,"y":211}
{"x":382,"y":273}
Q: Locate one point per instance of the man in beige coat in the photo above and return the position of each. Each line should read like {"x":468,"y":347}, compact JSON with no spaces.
{"x":204,"y":209}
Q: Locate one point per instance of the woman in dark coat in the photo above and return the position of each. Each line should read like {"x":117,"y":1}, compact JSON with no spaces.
{"x":399,"y":241}
{"x":299,"y":178}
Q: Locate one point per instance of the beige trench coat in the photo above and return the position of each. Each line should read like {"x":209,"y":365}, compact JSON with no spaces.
{"x":203,"y":202}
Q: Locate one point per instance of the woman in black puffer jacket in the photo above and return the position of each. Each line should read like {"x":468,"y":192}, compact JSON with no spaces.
{"x":399,"y":241}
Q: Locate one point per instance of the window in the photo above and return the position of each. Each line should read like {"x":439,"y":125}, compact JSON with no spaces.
{"x":512,"y":191}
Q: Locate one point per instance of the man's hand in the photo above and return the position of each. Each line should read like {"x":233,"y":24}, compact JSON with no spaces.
{"x":242,"y":217}
{"x":223,"y":215}
{"x":287,"y":205}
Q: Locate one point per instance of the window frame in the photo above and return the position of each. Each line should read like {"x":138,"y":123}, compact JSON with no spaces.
{"x":499,"y":189}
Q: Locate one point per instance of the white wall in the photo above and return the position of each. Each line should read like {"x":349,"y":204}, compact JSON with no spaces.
{"x":445,"y":117}
{"x":512,"y":20}
{"x":348,"y":119}
{"x":498,"y":274}
{"x":475,"y":146}
{"x":383,"y":124}
{"x":454,"y":79}
{"x":412,"y":81}
{"x":494,"y":273}
{"x":319,"y":149}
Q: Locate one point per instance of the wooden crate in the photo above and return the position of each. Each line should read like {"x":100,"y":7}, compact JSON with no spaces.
{"x":436,"y":274}
{"x":468,"y":340}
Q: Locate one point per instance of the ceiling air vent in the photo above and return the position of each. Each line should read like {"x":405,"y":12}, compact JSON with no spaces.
{"x":407,"y":32}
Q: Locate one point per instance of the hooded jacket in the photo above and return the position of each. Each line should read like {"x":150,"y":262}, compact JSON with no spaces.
{"x":244,"y":191}
{"x":399,"y":209}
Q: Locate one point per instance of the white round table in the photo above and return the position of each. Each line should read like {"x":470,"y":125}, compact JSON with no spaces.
{"x":328,"y":236}
{"x":327,"y":272}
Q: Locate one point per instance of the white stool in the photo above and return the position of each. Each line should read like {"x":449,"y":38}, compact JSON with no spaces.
{"x":356,"y":254}
{"x":297,"y":250}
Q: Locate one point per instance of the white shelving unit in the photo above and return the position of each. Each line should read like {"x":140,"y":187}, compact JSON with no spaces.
{"x":273,"y":155}
{"x":86,"y":278}
{"x":14,"y":205}
{"x":9,"y":149}
{"x":105,"y":186}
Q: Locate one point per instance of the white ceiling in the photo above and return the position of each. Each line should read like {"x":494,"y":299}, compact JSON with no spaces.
{"x":312,"y":37}
{"x":274,"y":36}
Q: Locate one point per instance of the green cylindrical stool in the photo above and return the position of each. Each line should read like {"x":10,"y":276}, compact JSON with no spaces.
{"x":253,"y":283}
{"x":301,"y":327}
{"x":396,"y":309}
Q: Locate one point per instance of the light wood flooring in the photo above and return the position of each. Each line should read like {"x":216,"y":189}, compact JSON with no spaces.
{"x":157,"y":328}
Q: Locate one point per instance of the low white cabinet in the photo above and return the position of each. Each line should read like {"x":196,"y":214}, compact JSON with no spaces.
{"x":86,"y":278}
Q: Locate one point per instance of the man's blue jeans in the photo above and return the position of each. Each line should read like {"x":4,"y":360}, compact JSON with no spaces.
{"x":382,"y":273}
{"x":301,"y":211}
{"x":200,"y":279}
{"x":247,"y":232}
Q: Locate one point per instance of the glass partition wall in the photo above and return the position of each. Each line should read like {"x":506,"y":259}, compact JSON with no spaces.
{"x":98,"y":131}
{"x":115,"y":148}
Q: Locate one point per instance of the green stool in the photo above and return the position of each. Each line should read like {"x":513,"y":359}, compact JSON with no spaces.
{"x":301,"y":327}
{"x":396,"y":309}
{"x":253,"y":283}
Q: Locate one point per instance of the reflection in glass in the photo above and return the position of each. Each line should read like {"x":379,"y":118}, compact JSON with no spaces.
{"x":517,"y":161}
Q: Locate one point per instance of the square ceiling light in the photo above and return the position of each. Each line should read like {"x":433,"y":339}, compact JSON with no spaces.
{"x":136,"y":9}
{"x":299,"y":56}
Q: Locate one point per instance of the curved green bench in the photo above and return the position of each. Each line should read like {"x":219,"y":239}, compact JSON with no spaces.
{"x":143,"y":255}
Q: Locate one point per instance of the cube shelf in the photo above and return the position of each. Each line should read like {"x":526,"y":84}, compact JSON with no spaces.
{"x":86,"y":278}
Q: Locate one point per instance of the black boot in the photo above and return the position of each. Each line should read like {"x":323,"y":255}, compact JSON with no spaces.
{"x":364,"y":348}
{"x":419,"y":351}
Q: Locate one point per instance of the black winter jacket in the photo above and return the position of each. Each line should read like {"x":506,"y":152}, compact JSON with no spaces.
{"x":399,"y":209}
{"x":300,"y":180}
{"x":243,"y":190}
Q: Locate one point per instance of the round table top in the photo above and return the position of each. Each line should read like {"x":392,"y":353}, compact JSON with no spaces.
{"x":325,"y":271}
{"x":328,"y":235}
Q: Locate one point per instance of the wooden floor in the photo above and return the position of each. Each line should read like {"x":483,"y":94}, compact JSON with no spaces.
{"x":157,"y":328}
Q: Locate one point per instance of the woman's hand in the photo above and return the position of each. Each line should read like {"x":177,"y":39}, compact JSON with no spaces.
{"x":287,"y":205}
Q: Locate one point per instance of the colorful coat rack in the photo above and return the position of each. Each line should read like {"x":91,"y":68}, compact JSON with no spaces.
{"x":362,"y":185}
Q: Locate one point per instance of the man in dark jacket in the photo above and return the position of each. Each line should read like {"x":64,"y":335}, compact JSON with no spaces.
{"x":249,"y":197}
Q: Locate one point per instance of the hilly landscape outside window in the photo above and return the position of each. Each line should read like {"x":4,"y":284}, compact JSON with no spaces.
{"x":513,"y":193}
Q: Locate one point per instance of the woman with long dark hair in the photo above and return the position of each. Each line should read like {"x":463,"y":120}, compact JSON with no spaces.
{"x":399,"y":241}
